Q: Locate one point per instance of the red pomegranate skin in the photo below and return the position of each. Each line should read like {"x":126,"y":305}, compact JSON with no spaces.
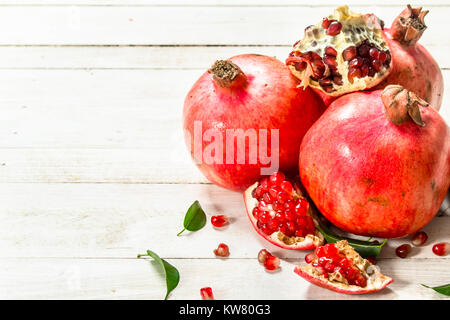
{"x":270,"y":100}
{"x":415,"y":69}
{"x":371,"y":177}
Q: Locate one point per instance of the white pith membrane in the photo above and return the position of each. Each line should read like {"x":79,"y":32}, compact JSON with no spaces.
{"x":309,"y":241}
{"x":356,"y":28}
{"x":375,"y":279}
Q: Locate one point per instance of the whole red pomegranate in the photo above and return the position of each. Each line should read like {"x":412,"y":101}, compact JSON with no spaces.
{"x":377,"y":163}
{"x":230,"y":115}
{"x":413,"y":66}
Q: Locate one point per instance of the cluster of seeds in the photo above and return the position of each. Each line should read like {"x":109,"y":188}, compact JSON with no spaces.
{"x":365,"y":60}
{"x":327,"y":259}
{"x":280,"y":209}
{"x":270,"y":262}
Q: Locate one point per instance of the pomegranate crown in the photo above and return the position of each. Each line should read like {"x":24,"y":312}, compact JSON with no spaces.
{"x":402,"y":105}
{"x":227,"y":74}
{"x":409,"y":25}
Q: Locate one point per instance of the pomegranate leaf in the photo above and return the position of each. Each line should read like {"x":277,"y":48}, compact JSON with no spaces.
{"x":171,"y":273}
{"x":195,"y":218}
{"x":364,"y":248}
{"x":445,"y":289}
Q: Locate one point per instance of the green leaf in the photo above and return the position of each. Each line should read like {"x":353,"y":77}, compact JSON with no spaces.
{"x":445,"y":289}
{"x":195,"y":218}
{"x":171,"y":273}
{"x":364,"y":248}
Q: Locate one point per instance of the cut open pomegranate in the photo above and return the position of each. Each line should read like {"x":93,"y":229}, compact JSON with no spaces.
{"x":340,"y":268}
{"x":345,"y":52}
{"x":279,"y":212}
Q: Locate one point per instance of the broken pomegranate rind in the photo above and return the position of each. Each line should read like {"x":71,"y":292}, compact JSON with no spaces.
{"x":319,"y":60}
{"x":308,"y":242}
{"x":335,"y":281}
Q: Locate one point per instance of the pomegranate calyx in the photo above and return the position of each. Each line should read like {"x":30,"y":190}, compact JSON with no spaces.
{"x":227,"y":74}
{"x":402,"y":105}
{"x":409,"y":26}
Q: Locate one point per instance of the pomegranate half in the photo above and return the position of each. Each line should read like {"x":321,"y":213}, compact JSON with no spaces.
{"x":250,"y":98}
{"x":281,"y":214}
{"x":377,"y":163}
{"x":340,"y":268}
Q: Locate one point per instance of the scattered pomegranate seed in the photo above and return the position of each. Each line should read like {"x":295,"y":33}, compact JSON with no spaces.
{"x":262,"y":255}
{"x":419,"y":238}
{"x":441,"y":249}
{"x":222,"y":250}
{"x":206,"y":293}
{"x":372,"y":260}
{"x":219,"y":221}
{"x":334,"y":28}
{"x":272,"y":263}
{"x":403,"y":250}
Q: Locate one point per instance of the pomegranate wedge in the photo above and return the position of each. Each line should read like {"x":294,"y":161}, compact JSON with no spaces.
{"x":340,"y":268}
{"x":280,"y":214}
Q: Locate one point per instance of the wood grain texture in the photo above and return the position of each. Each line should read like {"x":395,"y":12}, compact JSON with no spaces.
{"x":93,"y":167}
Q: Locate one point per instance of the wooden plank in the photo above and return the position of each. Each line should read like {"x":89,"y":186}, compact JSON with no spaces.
{"x":198,"y":25}
{"x":123,"y":57}
{"x":231,"y":279}
{"x":210,"y":2}
{"x":109,"y":220}
{"x":98,"y":126}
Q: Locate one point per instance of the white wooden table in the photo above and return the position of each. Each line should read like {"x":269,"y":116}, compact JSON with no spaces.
{"x":93,"y":168}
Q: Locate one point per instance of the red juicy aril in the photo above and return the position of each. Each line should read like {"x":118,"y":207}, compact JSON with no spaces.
{"x":252,"y":94}
{"x":345,"y":52}
{"x":413,"y":67}
{"x":340,"y":268}
{"x":377,"y":163}
{"x":280,"y":213}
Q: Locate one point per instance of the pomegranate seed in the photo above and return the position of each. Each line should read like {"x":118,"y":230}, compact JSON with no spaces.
{"x":277,"y":178}
{"x":318,"y":68}
{"x":334,"y":28}
{"x":258,"y":192}
{"x":364,"y":71}
{"x":262,"y":255}
{"x":273,"y":224}
{"x":441,"y":249}
{"x":222,"y":250}
{"x":292,"y":227}
{"x":272,"y":263}
{"x":256,"y":212}
{"x":344,"y":263}
{"x":300,"y":232}
{"x":361,"y":281}
{"x":419,"y":238}
{"x":277,"y":206}
{"x":376,"y":65}
{"x":283,"y":197}
{"x":330,"y":51}
{"x":206,"y":293}
{"x":300,"y":66}
{"x":329,"y":267}
{"x":363,"y":50}
{"x":321,"y":271}
{"x":352,"y":73}
{"x":310,"y":257}
{"x":349,"y":53}
{"x":337,"y":80}
{"x":264,"y":228}
{"x":372,"y":260}
{"x":280,"y":216}
{"x":286,"y":186}
{"x":262,"y":205}
{"x":320,"y":252}
{"x":382,"y":56}
{"x":290,"y":205}
{"x":330,"y":60}
{"x":301,"y":208}
{"x":403,"y":250}
{"x":290,"y":215}
{"x":264,"y":217}
{"x":331,"y":250}
{"x":325,"y":23}
{"x":371,"y":72}
{"x":220,"y":221}
{"x":356,"y":63}
{"x":267,"y":197}
{"x":273,"y":191}
{"x":374,"y":53}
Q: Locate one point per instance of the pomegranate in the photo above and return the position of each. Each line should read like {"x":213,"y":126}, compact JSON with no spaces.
{"x":247,"y":96}
{"x":340,"y":268}
{"x":345,"y":52}
{"x":412,"y":65}
{"x":377,"y":163}
{"x":281,"y":214}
